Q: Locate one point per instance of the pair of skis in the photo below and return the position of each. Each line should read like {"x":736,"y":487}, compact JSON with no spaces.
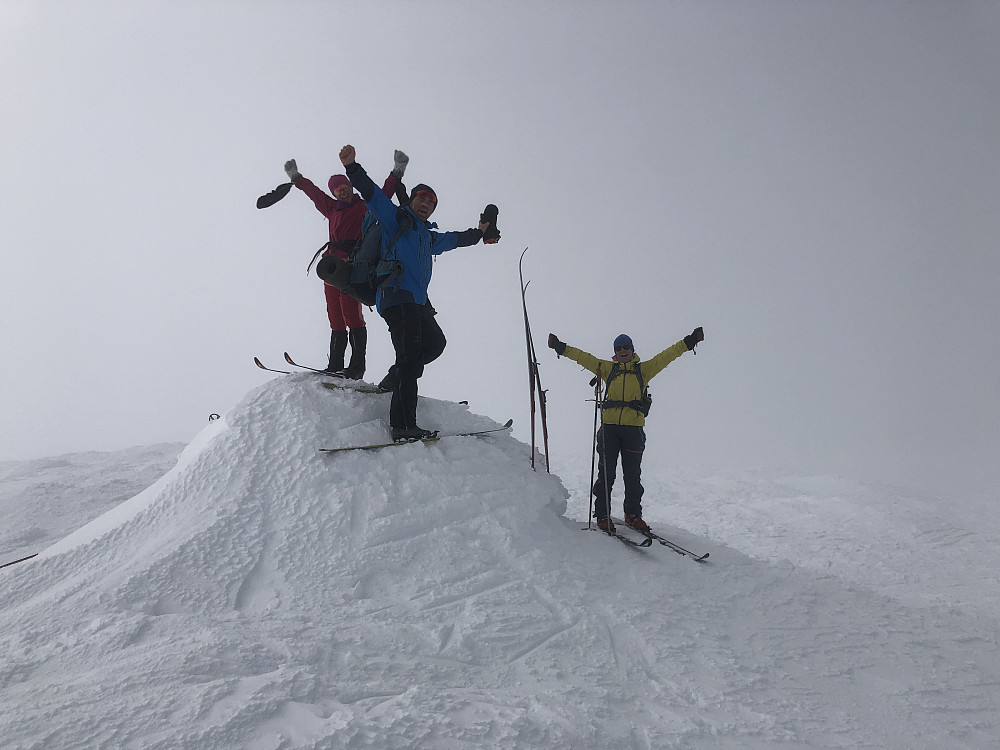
{"x":621,"y":537}
{"x":293,"y":363}
{"x":651,"y":537}
{"x":534,"y":379}
{"x":336,"y":382}
{"x":426,"y":441}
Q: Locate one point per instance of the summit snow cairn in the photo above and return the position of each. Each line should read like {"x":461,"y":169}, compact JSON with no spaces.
{"x":623,"y":408}
{"x":535,"y":389}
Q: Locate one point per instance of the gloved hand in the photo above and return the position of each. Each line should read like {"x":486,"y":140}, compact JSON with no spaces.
{"x":291,"y":170}
{"x":491,"y":235}
{"x":399,"y":162}
{"x":556,"y":344}
{"x":694,"y":338}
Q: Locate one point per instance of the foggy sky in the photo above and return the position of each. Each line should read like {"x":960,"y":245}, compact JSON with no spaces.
{"x":815,"y":183}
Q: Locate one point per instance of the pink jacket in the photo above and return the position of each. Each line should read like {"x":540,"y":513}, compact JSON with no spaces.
{"x":345,"y":217}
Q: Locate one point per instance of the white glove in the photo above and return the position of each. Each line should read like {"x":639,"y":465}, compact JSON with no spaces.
{"x":399,"y":161}
{"x":291,"y":170}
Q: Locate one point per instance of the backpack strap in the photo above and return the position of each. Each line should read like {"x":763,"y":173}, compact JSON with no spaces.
{"x":309,"y":267}
{"x":389,"y":266}
{"x":404,"y":223}
{"x":640,"y":404}
{"x":616,"y":370}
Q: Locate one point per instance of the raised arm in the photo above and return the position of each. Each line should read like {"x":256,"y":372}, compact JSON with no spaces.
{"x":323,"y":202}
{"x":668,"y":355}
{"x":585,"y":360}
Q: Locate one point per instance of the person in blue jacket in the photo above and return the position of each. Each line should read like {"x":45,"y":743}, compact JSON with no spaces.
{"x":416,"y":337}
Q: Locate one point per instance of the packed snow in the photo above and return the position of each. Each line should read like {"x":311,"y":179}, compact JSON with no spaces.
{"x":255,"y":593}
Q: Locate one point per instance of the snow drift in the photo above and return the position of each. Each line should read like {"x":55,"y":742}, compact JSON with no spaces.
{"x":262,"y":595}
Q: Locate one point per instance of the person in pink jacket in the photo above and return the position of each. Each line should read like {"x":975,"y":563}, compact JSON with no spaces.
{"x":345,"y":212}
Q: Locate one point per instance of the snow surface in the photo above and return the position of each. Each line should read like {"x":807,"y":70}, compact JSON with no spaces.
{"x":259,"y":596}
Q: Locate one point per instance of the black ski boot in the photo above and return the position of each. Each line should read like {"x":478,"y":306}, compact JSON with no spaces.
{"x":338,"y":347}
{"x":489,"y":215}
{"x":391,"y":380}
{"x":359,"y":344}
{"x":403,"y":434}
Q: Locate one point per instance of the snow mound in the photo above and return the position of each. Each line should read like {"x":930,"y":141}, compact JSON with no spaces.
{"x":45,"y":499}
{"x":255,"y":531}
{"x":265,"y":596}
{"x":254,"y":515}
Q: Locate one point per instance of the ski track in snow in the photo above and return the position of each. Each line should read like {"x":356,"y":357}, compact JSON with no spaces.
{"x":258,"y":596}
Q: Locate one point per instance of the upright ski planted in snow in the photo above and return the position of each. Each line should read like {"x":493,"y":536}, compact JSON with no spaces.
{"x":534,"y":380}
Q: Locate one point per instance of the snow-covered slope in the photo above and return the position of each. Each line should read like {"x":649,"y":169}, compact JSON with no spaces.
{"x":43,"y":500}
{"x":263,"y":595}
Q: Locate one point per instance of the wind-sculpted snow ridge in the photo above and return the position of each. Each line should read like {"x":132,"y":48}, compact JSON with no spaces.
{"x":45,"y":499}
{"x":265,"y":596}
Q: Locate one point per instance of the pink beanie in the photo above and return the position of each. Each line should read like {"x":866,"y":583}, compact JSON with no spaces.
{"x":337,"y":180}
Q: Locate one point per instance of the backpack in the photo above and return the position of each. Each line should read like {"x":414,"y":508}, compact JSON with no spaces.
{"x":369,"y":268}
{"x":641,"y":405}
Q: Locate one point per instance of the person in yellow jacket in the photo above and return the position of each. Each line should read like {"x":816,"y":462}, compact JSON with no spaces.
{"x":624,"y":409}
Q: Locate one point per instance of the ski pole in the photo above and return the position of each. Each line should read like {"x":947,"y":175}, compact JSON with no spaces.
{"x":596,"y":382}
{"x":604,"y":456}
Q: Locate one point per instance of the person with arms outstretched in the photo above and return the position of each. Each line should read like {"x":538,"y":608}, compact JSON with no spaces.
{"x":624,"y":408}
{"x":345,"y":212}
{"x":411,"y":240}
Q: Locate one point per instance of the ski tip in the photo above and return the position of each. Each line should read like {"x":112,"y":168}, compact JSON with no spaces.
{"x":259,"y":363}
{"x":288,"y":359}
{"x":508,"y":423}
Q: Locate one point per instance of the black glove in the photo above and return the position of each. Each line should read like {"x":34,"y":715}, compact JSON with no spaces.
{"x":492,"y":235}
{"x":556,"y":344}
{"x":269,"y":199}
{"x":694,"y":338}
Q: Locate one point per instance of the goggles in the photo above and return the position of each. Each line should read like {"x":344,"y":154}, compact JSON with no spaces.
{"x":426,"y":194}
{"x":623,"y":348}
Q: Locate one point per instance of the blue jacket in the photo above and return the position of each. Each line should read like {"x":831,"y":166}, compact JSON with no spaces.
{"x":415,"y":247}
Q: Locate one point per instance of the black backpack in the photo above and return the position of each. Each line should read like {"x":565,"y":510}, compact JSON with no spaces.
{"x":369,"y":268}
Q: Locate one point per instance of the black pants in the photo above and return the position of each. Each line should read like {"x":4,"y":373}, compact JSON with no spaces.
{"x":627,"y":441}
{"x":418,"y":340}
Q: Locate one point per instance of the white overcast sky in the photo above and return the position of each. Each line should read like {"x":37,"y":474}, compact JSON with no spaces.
{"x":816,"y":183}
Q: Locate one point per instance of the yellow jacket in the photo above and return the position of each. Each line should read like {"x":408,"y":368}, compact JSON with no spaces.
{"x":625,"y":386}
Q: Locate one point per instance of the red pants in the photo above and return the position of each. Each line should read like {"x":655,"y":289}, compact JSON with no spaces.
{"x":344,"y":312}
